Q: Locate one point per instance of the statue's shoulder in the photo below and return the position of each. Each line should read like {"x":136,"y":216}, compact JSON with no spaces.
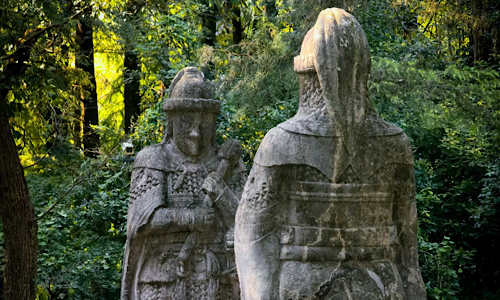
{"x":274,"y":138}
{"x":159,"y":157}
{"x":278,"y":147}
{"x":391,"y":139}
{"x":375,"y":126}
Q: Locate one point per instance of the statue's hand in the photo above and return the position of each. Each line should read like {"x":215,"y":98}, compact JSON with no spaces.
{"x":204,"y":218}
{"x":230,"y":238}
{"x":214,"y":185}
{"x":179,"y":269}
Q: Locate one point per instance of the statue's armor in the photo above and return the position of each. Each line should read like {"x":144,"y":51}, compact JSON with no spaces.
{"x":329,"y":227}
{"x":328,"y":211}
{"x":339,"y":228}
{"x":178,"y":184}
{"x":183,"y":197}
{"x":333,"y":228}
{"x":163,"y":248}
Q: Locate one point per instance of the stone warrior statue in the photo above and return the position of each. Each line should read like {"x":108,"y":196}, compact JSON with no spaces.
{"x":328,"y":211}
{"x":183,"y":197}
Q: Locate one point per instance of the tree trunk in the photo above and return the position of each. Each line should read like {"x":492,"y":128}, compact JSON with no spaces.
{"x":131,"y":94}
{"x":85,"y":61}
{"x":236,"y":21}
{"x":271,"y":10}
{"x":209,"y":24}
{"x":479,"y":28}
{"x":132,"y":97}
{"x":17,"y":213}
{"x":16,"y":210}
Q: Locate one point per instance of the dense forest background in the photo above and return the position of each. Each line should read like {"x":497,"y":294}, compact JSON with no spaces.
{"x":78,"y":77}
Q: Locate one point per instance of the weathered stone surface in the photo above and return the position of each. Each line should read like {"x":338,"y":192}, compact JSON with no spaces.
{"x":183,"y":197}
{"x":328,"y":211}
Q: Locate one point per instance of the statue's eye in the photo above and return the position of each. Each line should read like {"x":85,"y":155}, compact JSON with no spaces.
{"x":185,"y":123}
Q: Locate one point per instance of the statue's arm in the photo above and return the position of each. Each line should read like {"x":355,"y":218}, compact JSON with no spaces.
{"x":167,"y":220}
{"x":225,"y":198}
{"x":407,"y":245}
{"x":257,"y":246}
{"x":149,"y":193}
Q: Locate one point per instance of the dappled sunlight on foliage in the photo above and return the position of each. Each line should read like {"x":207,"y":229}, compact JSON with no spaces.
{"x":81,"y":243}
{"x":450,"y":116}
{"x":427,"y":76}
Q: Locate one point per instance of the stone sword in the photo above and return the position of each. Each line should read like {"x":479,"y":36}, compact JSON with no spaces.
{"x":229,"y":154}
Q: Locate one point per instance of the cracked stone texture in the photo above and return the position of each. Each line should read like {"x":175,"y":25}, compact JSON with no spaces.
{"x":328,"y":211}
{"x":183,"y":197}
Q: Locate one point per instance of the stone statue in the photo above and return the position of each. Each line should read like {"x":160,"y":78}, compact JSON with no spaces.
{"x":183,"y":197}
{"x":328,"y":211}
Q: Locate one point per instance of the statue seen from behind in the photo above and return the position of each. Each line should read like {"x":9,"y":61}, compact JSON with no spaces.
{"x":328,"y":211}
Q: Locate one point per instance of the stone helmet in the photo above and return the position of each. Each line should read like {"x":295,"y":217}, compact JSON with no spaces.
{"x":336,"y":51}
{"x":190,"y":92}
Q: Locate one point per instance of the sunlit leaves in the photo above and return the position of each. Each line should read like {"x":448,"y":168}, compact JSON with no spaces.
{"x":449,"y":116}
{"x":81,"y":243}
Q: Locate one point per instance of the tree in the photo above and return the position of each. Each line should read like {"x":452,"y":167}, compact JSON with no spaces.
{"x":271,"y":11}
{"x":16,"y":209}
{"x":234,"y":10}
{"x":209,"y":23}
{"x":32,"y":35}
{"x":85,"y":61}
{"x":467,"y":29}
{"x":132,"y":95}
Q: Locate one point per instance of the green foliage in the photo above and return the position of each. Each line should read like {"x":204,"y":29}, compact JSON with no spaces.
{"x":439,"y":266}
{"x":392,"y":33}
{"x":441,"y":262}
{"x":260,"y":72}
{"x":249,"y":127}
{"x":450,"y":117}
{"x":487,"y":211}
{"x":420,"y":81}
{"x":255,"y":79}
{"x":43,"y":99}
{"x":166,"y":47}
{"x":82,"y":239}
{"x":150,"y":127}
{"x":165,"y":37}
{"x":109,"y":84}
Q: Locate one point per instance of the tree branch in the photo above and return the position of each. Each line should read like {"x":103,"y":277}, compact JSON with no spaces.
{"x":75,"y":183}
{"x":432,"y":17}
{"x":237,"y":54}
{"x":56,"y":133}
{"x":16,"y":61}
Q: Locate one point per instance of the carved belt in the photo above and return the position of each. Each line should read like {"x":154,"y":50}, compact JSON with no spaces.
{"x":341,"y":205}
{"x":312,"y":253}
{"x":175,"y":240}
{"x":317,"y":236}
{"x":185,"y":200}
{"x":337,"y":192}
{"x":333,"y":244}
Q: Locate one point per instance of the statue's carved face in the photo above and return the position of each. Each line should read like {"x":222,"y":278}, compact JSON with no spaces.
{"x":193,"y":131}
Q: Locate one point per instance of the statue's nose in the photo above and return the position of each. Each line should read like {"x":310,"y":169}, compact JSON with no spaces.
{"x":195,"y":134}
